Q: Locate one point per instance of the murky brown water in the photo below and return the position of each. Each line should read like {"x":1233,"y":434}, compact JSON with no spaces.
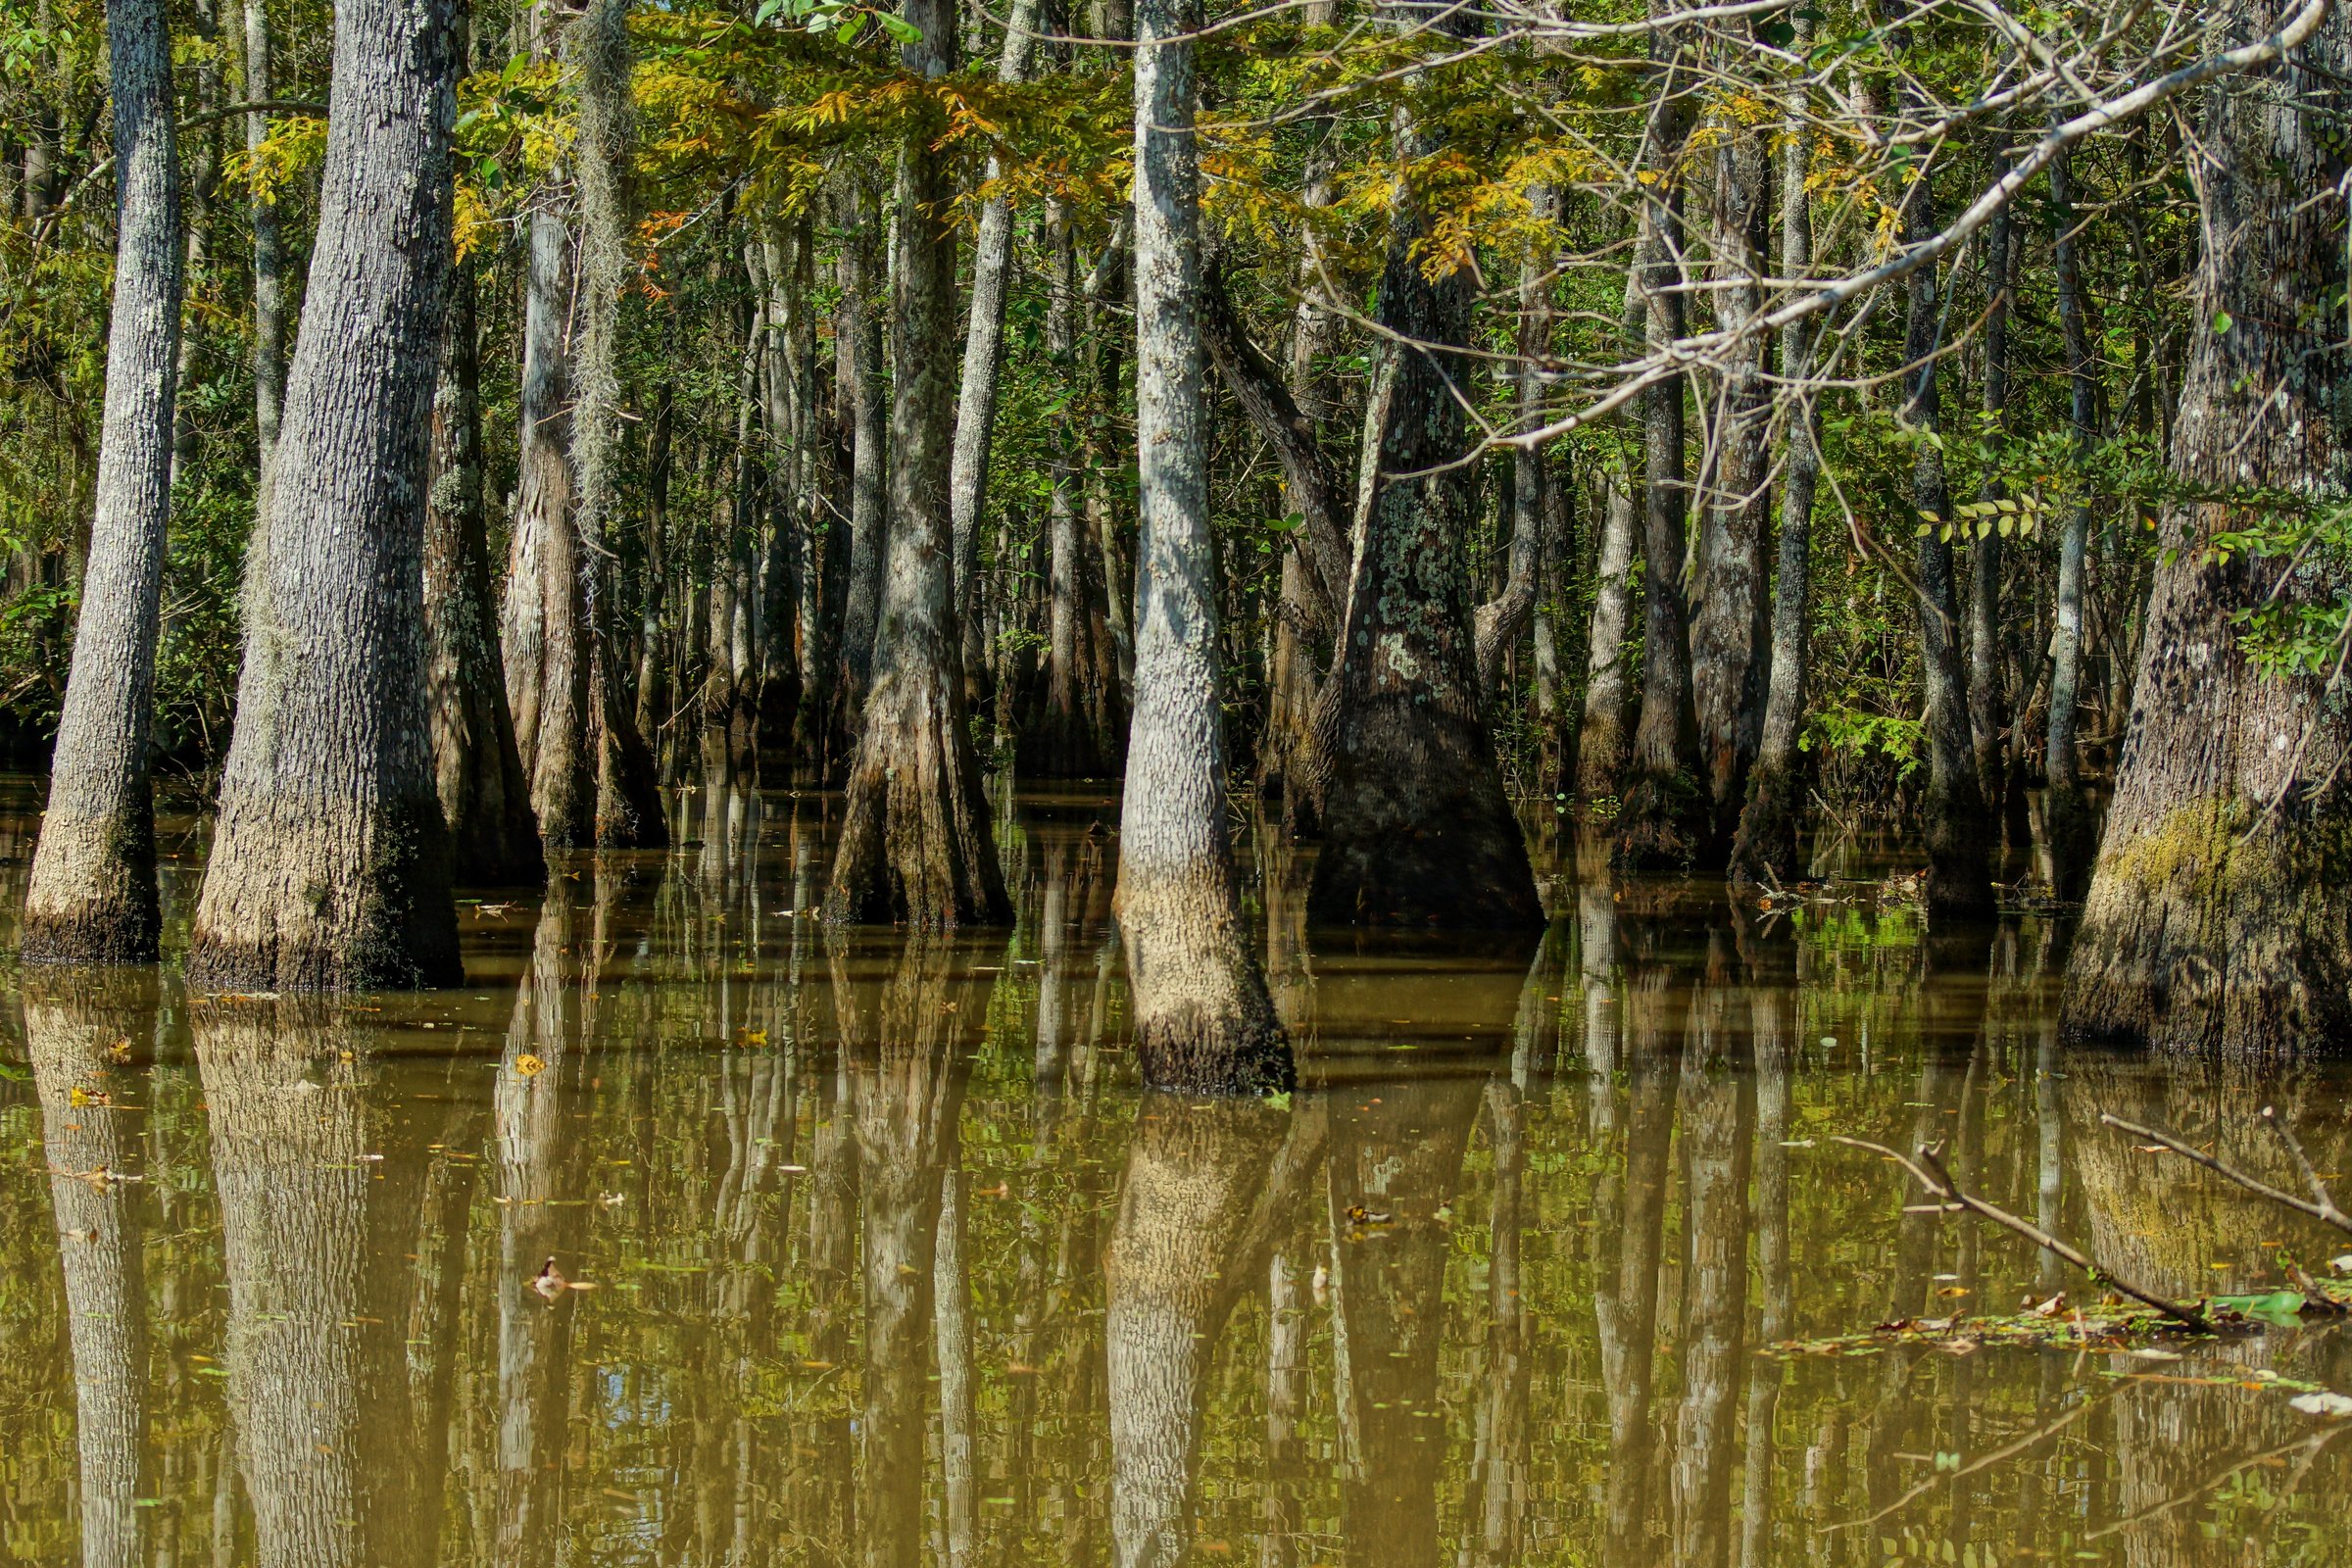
{"x":893,"y":1264}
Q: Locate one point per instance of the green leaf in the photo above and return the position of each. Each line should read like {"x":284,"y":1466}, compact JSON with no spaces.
{"x":2221,"y":323}
{"x":900,"y":29}
{"x":2280,"y":1308}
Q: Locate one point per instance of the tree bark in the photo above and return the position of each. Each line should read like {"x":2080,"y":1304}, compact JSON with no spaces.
{"x":477,"y":770}
{"x":1662,"y":823}
{"x":1731,"y":631}
{"x":858,"y":330}
{"x":1956,"y":825}
{"x":1417,"y":831}
{"x":983,"y":362}
{"x":1601,"y":738}
{"x":1059,"y":742}
{"x":2220,"y":916}
{"x":1987,"y":715}
{"x":1765,"y":848}
{"x":914,"y":842}
{"x":1500,"y":619}
{"x":1198,"y":997}
{"x":92,"y":896}
{"x":268,"y":282}
{"x":330,"y":865}
{"x":2068,"y":822}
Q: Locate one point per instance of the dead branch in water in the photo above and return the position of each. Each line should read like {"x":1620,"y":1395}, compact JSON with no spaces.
{"x":2320,"y":1206}
{"x":1930,"y":1172}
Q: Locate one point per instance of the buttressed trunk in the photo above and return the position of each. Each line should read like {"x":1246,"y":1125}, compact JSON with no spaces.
{"x":92,"y":896}
{"x":1417,"y":831}
{"x":2220,"y":916}
{"x":1203,"y":1018}
{"x":330,"y":865}
{"x":477,"y":770}
{"x":915,"y":840}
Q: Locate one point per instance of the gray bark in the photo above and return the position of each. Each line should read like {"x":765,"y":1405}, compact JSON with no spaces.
{"x":1417,"y":831}
{"x":858,"y":330}
{"x":477,"y":770}
{"x":1765,"y":849}
{"x":1660,"y":824}
{"x":269,"y":265}
{"x":2066,"y":815}
{"x":915,"y":844}
{"x":983,"y":362}
{"x":92,"y":895}
{"x":1731,"y":630}
{"x":330,"y":865}
{"x":1202,"y":1015}
{"x":2219,"y":915}
{"x":1600,"y":743}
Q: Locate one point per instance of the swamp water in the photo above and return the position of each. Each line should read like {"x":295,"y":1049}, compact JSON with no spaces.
{"x":869,"y":1250}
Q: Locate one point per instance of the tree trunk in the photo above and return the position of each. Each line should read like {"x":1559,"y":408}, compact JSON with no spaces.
{"x":858,"y":330}
{"x":1601,"y":737}
{"x":1417,"y":831}
{"x":628,"y":803}
{"x":2068,"y":822}
{"x":2220,"y":917}
{"x":983,"y":362}
{"x":1957,"y":828}
{"x":915,"y":840}
{"x":92,"y":895}
{"x":477,"y":770}
{"x":1765,"y":849}
{"x":1662,"y":823}
{"x":1196,"y":996}
{"x":1059,"y":742}
{"x":1986,"y":711}
{"x":1731,"y":630}
{"x":330,"y":865}
{"x":1500,"y":619}
{"x":268,"y":282}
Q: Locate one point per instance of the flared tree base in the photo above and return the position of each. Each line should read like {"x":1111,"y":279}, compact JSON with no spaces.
{"x":1764,"y":849}
{"x":2223,"y":933}
{"x":915,"y":840}
{"x":1661,"y":825}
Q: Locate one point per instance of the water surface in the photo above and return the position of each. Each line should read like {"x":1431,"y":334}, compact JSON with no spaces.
{"x":887,"y":1260}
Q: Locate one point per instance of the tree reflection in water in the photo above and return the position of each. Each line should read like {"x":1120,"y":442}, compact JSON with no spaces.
{"x":893,"y":1267}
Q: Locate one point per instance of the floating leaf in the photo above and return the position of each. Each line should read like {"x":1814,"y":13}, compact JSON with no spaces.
{"x":527,"y":1065}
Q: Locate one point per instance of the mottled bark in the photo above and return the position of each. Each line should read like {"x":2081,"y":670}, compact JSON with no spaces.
{"x":1601,"y":739}
{"x":1171,"y":1276}
{"x":1058,"y":741}
{"x":1957,"y":828}
{"x":1986,"y":710}
{"x":1201,"y":1015}
{"x":92,"y":895}
{"x":1765,"y":848}
{"x":269,"y":265}
{"x":983,"y":364}
{"x":1417,"y":831}
{"x":2220,"y":916}
{"x":2071,"y":828}
{"x":477,"y":770}
{"x":1661,"y":824}
{"x":1731,"y":630}
{"x":330,"y":863}
{"x":914,"y":842}
{"x":865,"y":403}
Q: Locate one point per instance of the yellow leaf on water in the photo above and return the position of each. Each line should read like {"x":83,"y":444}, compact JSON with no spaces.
{"x":527,"y":1065}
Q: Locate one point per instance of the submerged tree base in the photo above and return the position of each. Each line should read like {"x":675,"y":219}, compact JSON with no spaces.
{"x":1661,"y":824}
{"x":2226,"y":931}
{"x":1203,"y":1020}
{"x":1764,"y":849}
{"x":914,"y":839}
{"x":92,"y":898}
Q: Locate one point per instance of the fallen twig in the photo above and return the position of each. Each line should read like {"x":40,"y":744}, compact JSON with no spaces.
{"x":2320,"y":1206}
{"x":1929,"y":1171}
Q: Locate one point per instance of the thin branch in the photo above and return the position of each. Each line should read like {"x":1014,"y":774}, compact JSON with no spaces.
{"x":1929,"y":1171}
{"x":2324,"y":1209}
